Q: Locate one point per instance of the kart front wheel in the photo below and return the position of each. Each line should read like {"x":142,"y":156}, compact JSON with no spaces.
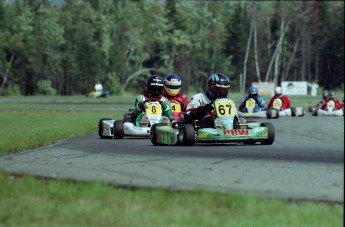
{"x":100,"y":128}
{"x":314,"y":113}
{"x":186,"y":135}
{"x":153,"y":133}
{"x":118,"y":129}
{"x":271,"y":133}
{"x":293,"y":111}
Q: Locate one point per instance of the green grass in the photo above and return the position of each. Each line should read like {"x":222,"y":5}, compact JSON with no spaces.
{"x":30,"y":201}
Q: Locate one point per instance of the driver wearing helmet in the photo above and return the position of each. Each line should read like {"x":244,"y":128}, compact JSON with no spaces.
{"x":278,"y":94}
{"x":200,"y":105}
{"x":154,"y":89}
{"x":331,"y":96}
{"x":259,"y":101}
{"x":172,"y":90}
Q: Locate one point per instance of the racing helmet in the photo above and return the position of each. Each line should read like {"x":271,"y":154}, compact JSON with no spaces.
{"x":331,"y":94}
{"x":218,"y":85}
{"x":278,"y":90}
{"x":253,"y":91}
{"x":172,"y":84}
{"x":154,"y":86}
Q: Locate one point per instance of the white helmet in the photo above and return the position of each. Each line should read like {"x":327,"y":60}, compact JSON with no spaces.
{"x":278,"y":90}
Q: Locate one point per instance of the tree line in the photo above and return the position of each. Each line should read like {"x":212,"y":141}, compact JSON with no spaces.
{"x":64,"y":46}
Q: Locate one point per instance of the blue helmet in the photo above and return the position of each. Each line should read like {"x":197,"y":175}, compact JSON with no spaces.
{"x":253,"y":91}
{"x":172,"y":84}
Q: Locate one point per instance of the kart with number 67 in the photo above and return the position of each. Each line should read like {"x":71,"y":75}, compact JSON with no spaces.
{"x":227,"y":128}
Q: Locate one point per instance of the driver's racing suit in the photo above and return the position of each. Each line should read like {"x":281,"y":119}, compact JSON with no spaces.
{"x":285,"y":101}
{"x":259,"y":103}
{"x":199,"y":108}
{"x":139,"y":106}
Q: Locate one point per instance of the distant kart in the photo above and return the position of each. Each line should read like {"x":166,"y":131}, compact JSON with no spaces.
{"x":329,"y":111}
{"x":292,"y":111}
{"x":249,"y":110}
{"x":117,"y":129}
{"x":226,"y":129}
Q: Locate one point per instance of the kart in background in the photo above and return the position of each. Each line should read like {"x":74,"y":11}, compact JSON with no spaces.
{"x":249,"y":110}
{"x":276,"y":110}
{"x":117,"y":129}
{"x":226,"y":129}
{"x":329,"y":111}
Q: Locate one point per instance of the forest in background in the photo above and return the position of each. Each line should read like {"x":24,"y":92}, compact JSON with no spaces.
{"x":63,"y":47}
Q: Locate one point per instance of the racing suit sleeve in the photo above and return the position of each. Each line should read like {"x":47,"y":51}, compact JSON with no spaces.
{"x":261,"y":102}
{"x":242,"y":105}
{"x":184,"y":102}
{"x":166,"y":109}
{"x":138,"y":108}
{"x":270,"y":104}
{"x":338,"y":105}
{"x":285,"y":102}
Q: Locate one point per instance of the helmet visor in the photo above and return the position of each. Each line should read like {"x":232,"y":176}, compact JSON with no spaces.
{"x":221,"y":91}
{"x":155,"y":90}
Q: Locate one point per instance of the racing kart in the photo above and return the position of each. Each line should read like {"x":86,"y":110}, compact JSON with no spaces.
{"x":227,"y":128}
{"x":329,"y":111}
{"x":117,"y":129}
{"x":249,"y":110}
{"x":276,"y":111}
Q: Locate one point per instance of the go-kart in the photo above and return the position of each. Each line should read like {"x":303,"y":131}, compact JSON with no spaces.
{"x":276,"y":110}
{"x":108,"y":128}
{"x":249,"y":110}
{"x":329,"y":111}
{"x":227,"y":128}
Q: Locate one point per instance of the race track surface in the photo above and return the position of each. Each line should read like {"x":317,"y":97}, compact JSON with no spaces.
{"x":306,"y":162}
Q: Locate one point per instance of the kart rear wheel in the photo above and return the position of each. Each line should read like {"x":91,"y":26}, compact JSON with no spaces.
{"x":186,"y":135}
{"x":271,"y":133}
{"x":100,"y":128}
{"x":293,"y":111}
{"x":118,"y":129}
{"x":153,"y":134}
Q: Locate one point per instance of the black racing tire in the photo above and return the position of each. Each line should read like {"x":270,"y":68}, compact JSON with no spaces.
{"x":271,"y":133}
{"x":314,"y":113}
{"x":153,"y":134}
{"x":293,"y":111}
{"x":100,"y":128}
{"x":186,"y":135}
{"x":269,"y":113}
{"x":118,"y":129}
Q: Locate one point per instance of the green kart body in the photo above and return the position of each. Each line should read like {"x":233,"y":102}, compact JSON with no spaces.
{"x":226,"y":129}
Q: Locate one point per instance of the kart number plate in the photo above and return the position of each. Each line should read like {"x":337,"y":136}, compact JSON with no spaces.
{"x":153,"y":109}
{"x":176,"y":107}
{"x":277,"y":103}
{"x":330,"y":105}
{"x":224,"y":108}
{"x":250,"y":104}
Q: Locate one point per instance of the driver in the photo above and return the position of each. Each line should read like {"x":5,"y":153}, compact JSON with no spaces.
{"x":200,"y":105}
{"x":154,"y":89}
{"x":259,"y":101}
{"x":331,"y":96}
{"x":278,"y":94}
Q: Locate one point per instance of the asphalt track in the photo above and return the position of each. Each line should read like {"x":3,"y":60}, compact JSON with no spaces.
{"x":306,"y":162}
